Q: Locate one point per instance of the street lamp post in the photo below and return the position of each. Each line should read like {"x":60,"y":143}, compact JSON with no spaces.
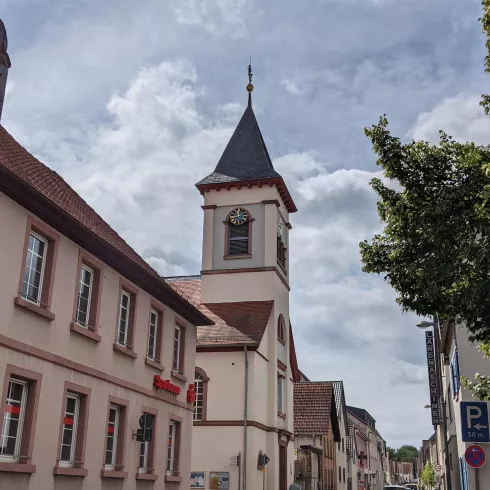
{"x":437,"y":353}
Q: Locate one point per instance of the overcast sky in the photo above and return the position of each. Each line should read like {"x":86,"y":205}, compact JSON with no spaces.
{"x":132,"y":102}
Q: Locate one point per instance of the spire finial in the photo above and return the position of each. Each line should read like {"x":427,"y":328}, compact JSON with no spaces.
{"x":250,"y":87}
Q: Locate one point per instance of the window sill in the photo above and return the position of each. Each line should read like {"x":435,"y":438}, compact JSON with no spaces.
{"x":154,"y":364}
{"x":19,"y":301}
{"x":113,"y":474}
{"x":282,"y":415}
{"x":18,"y":467}
{"x":282,"y":341}
{"x":233,"y":257}
{"x":146,"y":476}
{"x":58,"y":470}
{"x":85,"y":332}
{"x":177,"y":375}
{"x":173,"y":478}
{"x":124,"y":350}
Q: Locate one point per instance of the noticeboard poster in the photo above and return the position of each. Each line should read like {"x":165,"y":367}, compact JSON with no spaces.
{"x":219,"y":480}
{"x":198,"y":479}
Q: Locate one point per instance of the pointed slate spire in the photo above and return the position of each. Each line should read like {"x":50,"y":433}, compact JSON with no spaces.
{"x":246,"y":156}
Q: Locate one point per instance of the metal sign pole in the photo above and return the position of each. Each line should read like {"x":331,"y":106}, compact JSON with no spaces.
{"x":477,"y":479}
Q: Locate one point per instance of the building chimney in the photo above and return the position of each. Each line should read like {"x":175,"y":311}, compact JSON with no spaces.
{"x":4,"y":64}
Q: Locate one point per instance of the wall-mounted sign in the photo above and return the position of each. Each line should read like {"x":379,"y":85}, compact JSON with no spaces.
{"x":198,"y":479}
{"x":435,"y":397}
{"x":219,"y":480}
{"x":166,"y":385}
{"x":191,"y":394}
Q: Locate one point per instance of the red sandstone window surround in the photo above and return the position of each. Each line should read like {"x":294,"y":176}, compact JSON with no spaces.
{"x":73,"y":431}
{"x":281,"y":330}
{"x":38,"y":268}
{"x":87,"y":296}
{"x":173,"y":449}
{"x":147,"y":457}
{"x":126,"y":319}
{"x":238,"y":237}
{"x":201,"y":381}
{"x":20,"y":400}
{"x":114,"y":450}
{"x":155,"y":335}
{"x":178,"y":358}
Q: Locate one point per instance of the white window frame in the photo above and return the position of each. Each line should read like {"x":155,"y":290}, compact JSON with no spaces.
{"x":43,"y":267}
{"x":20,"y":426}
{"x":155,"y":335}
{"x":89,"y":301}
{"x":112,"y":465}
{"x":143,"y":469}
{"x":280,"y":393}
{"x":176,"y":355}
{"x":198,"y":381}
{"x":172,"y":432}
{"x":126,"y":329}
{"x":70,"y":463}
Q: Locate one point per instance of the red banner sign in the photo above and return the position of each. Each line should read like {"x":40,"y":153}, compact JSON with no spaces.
{"x":166,"y":385}
{"x":191,"y":394}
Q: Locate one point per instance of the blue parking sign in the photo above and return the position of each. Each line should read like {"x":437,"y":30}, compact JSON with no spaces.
{"x":474,"y":422}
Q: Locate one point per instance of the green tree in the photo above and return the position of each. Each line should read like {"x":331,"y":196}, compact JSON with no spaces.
{"x":435,"y":247}
{"x":408,"y":454}
{"x":393,"y":454}
{"x":428,"y":475}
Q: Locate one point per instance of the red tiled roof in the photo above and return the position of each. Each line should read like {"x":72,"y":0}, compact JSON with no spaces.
{"x":240,"y":323}
{"x":17,"y":160}
{"x":313,"y":402}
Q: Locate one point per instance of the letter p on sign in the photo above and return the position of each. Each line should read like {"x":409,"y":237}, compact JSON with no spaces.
{"x":472,"y":412}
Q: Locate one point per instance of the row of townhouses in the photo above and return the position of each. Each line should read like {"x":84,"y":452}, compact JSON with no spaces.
{"x":116,"y":377}
{"x":464,"y":419}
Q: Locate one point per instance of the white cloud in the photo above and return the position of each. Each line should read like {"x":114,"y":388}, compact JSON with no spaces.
{"x":460,"y":116}
{"x":219,"y":17}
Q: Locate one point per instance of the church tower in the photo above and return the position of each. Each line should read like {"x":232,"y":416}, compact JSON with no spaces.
{"x":246,"y":221}
{"x":4,"y":64}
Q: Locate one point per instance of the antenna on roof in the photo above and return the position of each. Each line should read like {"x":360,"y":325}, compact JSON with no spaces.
{"x":250,"y":87}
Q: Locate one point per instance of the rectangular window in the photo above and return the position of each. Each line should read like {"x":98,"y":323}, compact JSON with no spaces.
{"x":340,"y":474}
{"x":112,"y":437}
{"x":123,"y":326}
{"x":84,"y":296}
{"x":238,"y":239}
{"x":280,"y":394}
{"x":176,"y":366}
{"x":69,"y":431}
{"x":13,"y":421}
{"x":32,"y":285}
{"x":153,"y":335}
{"x":343,"y":474}
{"x":143,"y":463}
{"x":147,"y":448}
{"x":343,"y":447}
{"x":199,"y":392}
{"x":173,"y":455}
{"x":171,"y":447}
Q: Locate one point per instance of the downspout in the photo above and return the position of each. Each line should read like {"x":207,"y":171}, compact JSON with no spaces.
{"x":245,"y":417}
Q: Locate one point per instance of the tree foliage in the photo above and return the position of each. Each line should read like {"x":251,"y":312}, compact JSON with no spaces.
{"x":434,"y":251}
{"x":408,"y":454}
{"x":485,"y":22}
{"x":428,"y":475}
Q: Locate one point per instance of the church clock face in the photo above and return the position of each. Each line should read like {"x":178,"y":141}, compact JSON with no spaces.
{"x":238,"y":216}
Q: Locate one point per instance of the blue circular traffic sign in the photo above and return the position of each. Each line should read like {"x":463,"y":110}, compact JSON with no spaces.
{"x":475,"y":456}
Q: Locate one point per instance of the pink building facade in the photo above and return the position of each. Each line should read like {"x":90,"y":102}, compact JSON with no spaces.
{"x":96,"y":351}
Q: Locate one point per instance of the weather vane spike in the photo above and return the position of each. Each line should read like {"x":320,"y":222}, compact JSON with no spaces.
{"x":250,"y":87}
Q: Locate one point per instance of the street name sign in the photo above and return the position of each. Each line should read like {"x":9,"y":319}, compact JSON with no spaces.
{"x":474,"y":422}
{"x":475,"y":456}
